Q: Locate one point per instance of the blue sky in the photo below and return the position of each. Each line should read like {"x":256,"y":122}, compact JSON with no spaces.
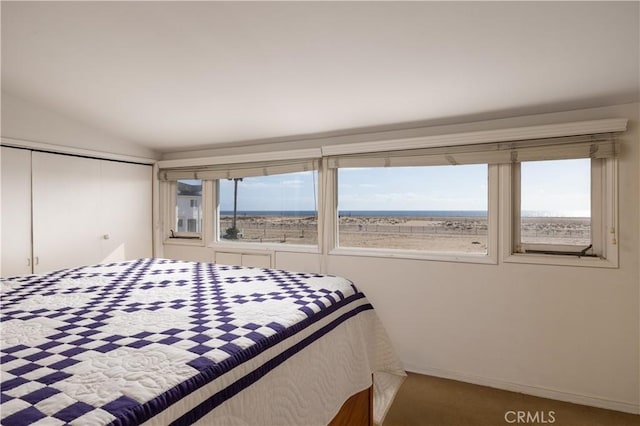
{"x":413,"y":188}
{"x":559,"y":187}
{"x":292,"y":191}
{"x":562,"y":188}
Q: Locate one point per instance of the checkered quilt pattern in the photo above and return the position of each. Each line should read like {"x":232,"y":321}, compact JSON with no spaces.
{"x":118,"y":343}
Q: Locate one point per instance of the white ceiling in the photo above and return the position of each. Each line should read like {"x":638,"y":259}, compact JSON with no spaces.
{"x":178,"y":75}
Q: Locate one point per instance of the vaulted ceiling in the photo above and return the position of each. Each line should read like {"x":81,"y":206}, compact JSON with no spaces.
{"x":179,"y":75}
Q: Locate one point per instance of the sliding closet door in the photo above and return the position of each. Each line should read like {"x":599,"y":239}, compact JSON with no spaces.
{"x":66,"y":211}
{"x":16,"y":212}
{"x":126,"y":211}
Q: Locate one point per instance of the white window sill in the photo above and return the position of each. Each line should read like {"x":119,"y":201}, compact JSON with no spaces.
{"x":415,"y":255}
{"x":258,"y":247}
{"x":196,"y":242}
{"x":560,"y":260}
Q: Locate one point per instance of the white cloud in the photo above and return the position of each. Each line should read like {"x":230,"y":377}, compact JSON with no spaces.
{"x":410,"y":201}
{"x":296,"y":183}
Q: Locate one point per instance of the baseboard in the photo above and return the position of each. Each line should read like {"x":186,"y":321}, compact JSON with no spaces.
{"x":527,"y":389}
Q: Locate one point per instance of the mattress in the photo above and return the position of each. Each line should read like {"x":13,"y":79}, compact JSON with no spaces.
{"x":159,"y":341}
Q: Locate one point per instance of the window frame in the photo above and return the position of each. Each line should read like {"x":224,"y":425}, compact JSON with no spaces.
{"x":490,"y":257}
{"x":500,"y":201}
{"x":171,"y":236}
{"x":217,"y":243}
{"x":604,"y":208}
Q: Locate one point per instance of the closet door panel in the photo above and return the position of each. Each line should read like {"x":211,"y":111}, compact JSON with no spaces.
{"x":16,"y":212}
{"x":66,"y":211}
{"x":126,"y":215}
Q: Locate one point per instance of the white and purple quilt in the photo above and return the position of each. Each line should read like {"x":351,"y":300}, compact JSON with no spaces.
{"x":128,"y":343}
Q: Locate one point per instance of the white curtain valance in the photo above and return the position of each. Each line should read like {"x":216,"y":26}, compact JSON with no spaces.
{"x":602,"y":145}
{"x":587,"y":146}
{"x":231,"y":171}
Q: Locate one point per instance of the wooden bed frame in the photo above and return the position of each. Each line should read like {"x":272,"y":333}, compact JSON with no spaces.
{"x":356,"y":411}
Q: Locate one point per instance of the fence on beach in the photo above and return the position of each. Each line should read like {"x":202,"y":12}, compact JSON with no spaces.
{"x":294,"y":229}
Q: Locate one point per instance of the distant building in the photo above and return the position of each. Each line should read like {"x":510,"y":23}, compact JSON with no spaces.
{"x":189,"y":207}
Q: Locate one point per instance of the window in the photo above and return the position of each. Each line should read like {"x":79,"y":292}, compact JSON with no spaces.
{"x":555,"y":203}
{"x":188,"y":208}
{"x":559,"y":207}
{"x":538,"y":197}
{"x":429,"y":208}
{"x":277,"y":209}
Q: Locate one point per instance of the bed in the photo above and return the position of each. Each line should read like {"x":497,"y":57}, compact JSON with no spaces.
{"x":168,"y":342}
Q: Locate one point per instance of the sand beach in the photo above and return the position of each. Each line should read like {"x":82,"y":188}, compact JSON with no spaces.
{"x":452,"y":234}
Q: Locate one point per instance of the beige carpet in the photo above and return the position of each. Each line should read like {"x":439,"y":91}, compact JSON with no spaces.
{"x":426,"y":400}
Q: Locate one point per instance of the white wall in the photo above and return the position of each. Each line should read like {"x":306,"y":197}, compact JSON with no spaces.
{"x":25,"y":121}
{"x":566,"y":332}
{"x":26,"y":124}
{"x":570,"y":333}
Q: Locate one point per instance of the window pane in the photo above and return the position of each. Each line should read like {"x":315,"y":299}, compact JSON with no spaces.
{"x":555,"y":202}
{"x":435,"y":208}
{"x":189,"y":206}
{"x":270,"y":209}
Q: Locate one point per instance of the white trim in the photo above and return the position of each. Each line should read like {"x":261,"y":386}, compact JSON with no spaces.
{"x":73,"y":151}
{"x":243,"y":158}
{"x":485,"y":136}
{"x":157,"y":216}
{"x":177,"y":241}
{"x":209,"y":208}
{"x":509,"y":227}
{"x":554,"y":259}
{"x":261,"y":248}
{"x":242,"y":250}
{"x":414,"y":254}
{"x":626,"y":407}
{"x":611,"y":208}
{"x":493,"y":212}
{"x":329,"y":227}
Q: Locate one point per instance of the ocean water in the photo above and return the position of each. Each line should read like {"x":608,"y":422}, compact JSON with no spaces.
{"x":369,"y":213}
{"x":415,"y":213}
{"x":402,"y":213}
